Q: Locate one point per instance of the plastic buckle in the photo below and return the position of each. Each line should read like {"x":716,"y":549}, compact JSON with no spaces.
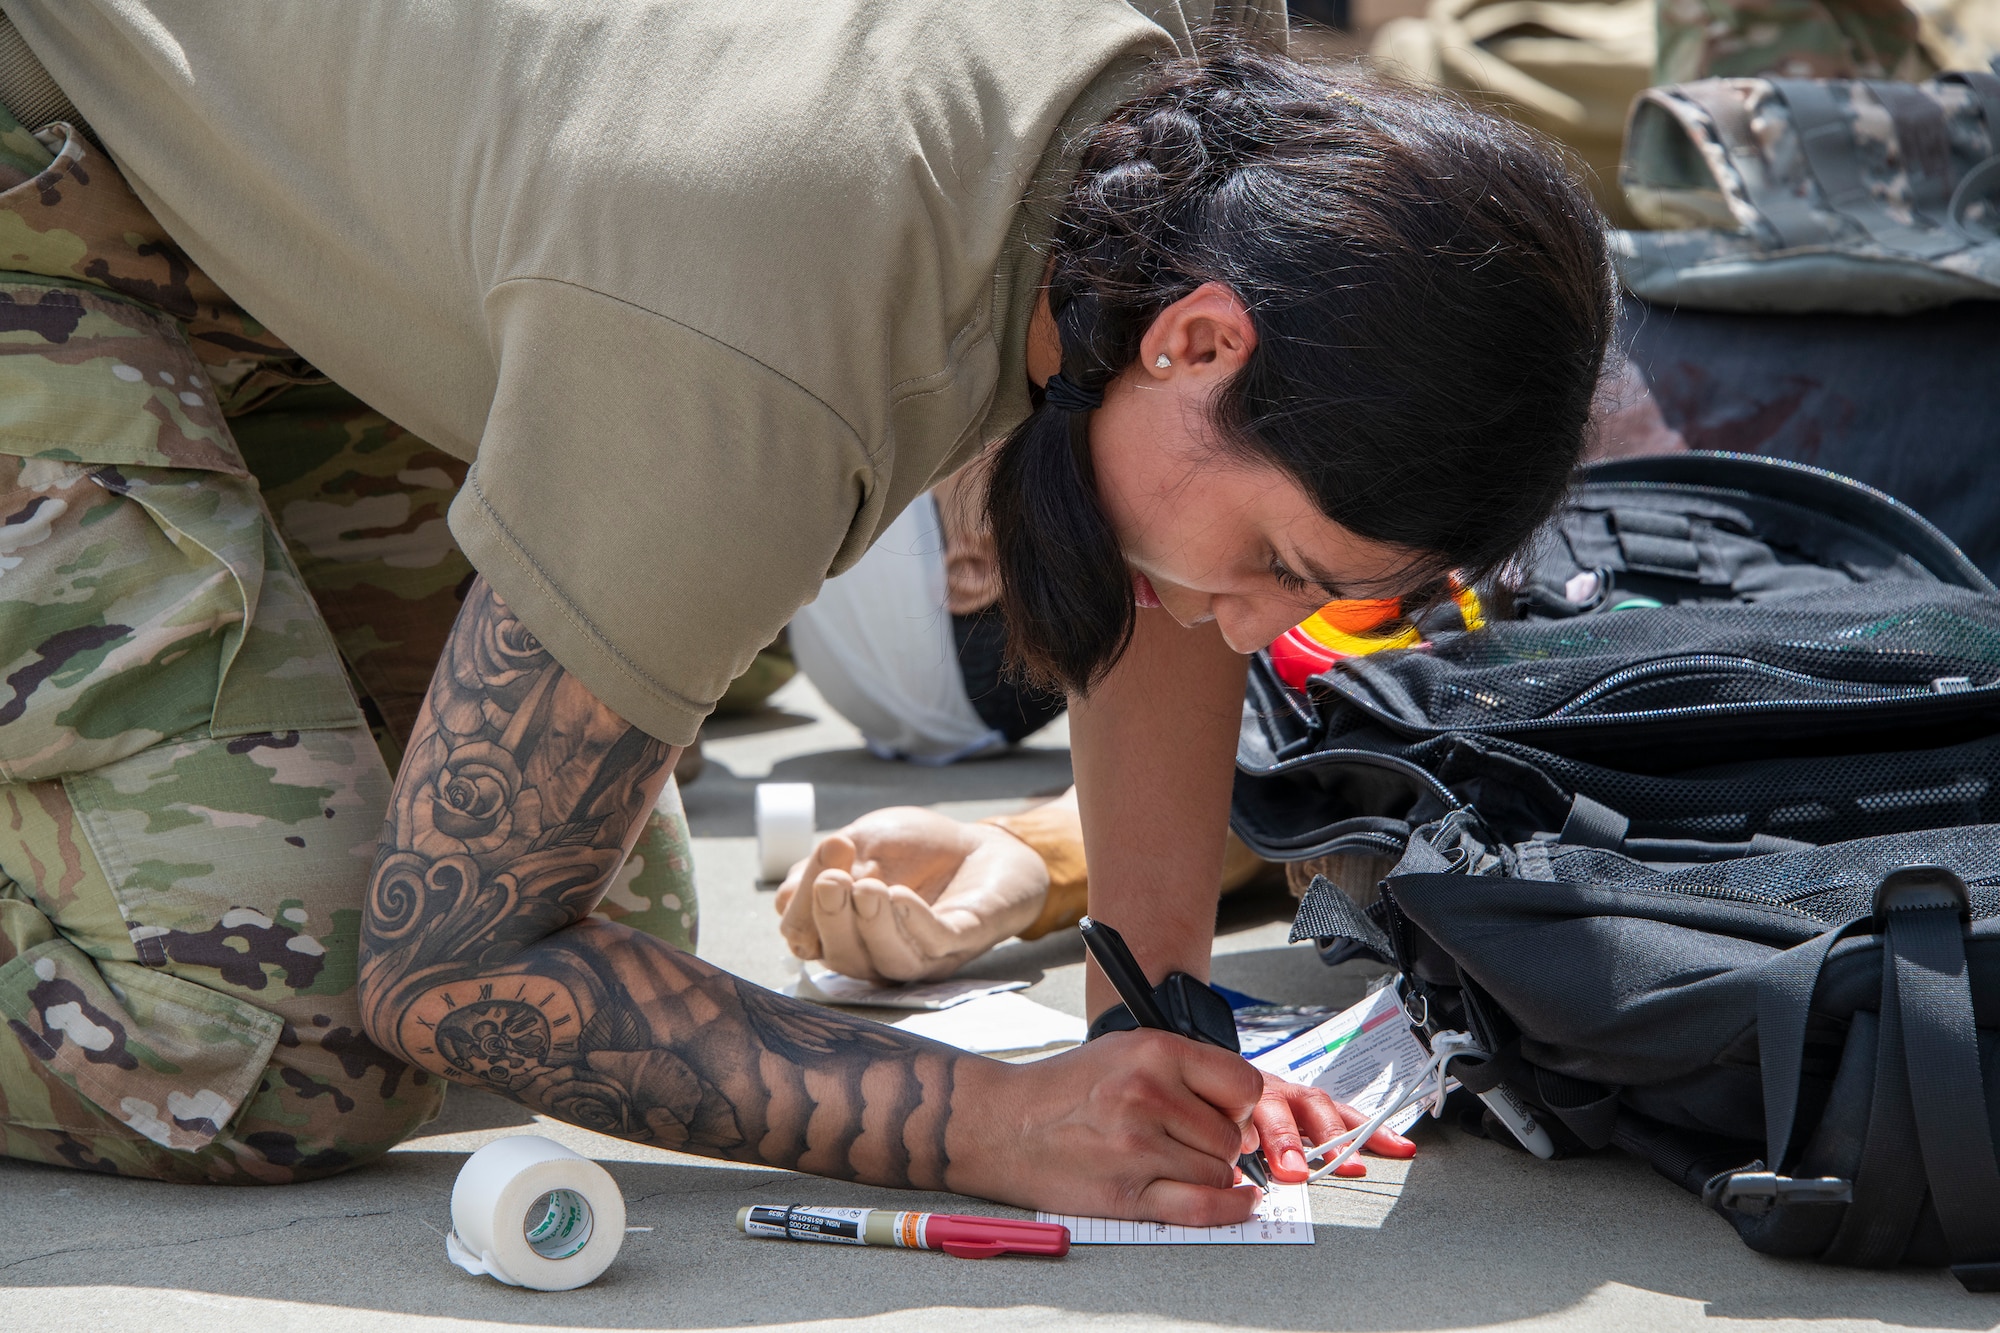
{"x":1757,"y":1192}
{"x":1917,"y":888}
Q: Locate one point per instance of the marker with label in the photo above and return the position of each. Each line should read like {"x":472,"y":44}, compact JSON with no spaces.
{"x":964,"y":1237}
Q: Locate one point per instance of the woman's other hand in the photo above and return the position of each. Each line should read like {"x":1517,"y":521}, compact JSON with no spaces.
{"x":907,"y":894}
{"x":1291,"y":1118}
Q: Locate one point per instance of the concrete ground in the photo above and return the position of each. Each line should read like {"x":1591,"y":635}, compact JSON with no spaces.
{"x":1468,"y":1235}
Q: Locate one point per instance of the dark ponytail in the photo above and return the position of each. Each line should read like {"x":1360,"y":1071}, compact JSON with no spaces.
{"x":1432,"y":298}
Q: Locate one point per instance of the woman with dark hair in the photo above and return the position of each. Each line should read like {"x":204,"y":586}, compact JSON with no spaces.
{"x":1305,"y":339}
{"x":705,"y":295}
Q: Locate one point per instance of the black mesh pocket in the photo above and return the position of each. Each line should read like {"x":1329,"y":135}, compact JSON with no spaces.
{"x":1835,"y":884}
{"x":1839,"y":649}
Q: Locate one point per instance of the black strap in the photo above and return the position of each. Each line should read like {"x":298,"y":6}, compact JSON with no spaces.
{"x":1927,"y":1122}
{"x":1589,"y":1109}
{"x":1594,"y":824}
{"x":1115,"y":1019}
{"x":1925,"y":907}
{"x":1194,"y":1010}
{"x":1889,"y":1182}
{"x":1326,"y":913}
{"x":1652,"y":541}
{"x":1197,"y":1010}
{"x":1928,"y":1130}
{"x":1784,"y":999}
{"x":1482,"y":1076}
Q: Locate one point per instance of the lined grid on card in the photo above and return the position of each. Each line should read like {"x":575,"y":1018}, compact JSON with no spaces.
{"x":1284,"y":1218}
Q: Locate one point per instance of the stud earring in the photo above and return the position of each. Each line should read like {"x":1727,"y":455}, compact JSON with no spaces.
{"x":1161,"y":362}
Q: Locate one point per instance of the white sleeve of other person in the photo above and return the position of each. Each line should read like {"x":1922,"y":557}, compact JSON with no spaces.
{"x":877,"y":643}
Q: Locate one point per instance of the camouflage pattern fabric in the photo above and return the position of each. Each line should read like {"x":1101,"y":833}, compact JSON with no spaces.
{"x":1907,"y":40}
{"x":189,"y":793}
{"x":72,"y":221}
{"x":361,"y":503}
{"x":1798,"y":195}
{"x":1798,"y":39}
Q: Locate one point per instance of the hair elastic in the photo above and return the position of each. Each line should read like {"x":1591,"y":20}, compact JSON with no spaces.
{"x":1066,"y":395}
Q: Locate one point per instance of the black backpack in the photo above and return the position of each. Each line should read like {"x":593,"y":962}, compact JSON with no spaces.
{"x":1659,"y":834}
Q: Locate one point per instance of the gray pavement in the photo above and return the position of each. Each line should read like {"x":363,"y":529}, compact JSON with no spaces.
{"x":1469,"y":1235}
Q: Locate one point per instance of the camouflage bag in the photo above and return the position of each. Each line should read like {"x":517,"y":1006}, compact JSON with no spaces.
{"x":1805,"y":195}
{"x":1823,"y":39}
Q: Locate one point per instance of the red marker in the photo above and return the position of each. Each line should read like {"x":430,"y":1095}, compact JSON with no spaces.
{"x":965,"y":1237}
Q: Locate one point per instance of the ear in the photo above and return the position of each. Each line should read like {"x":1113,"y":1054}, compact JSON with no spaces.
{"x":1207,"y":333}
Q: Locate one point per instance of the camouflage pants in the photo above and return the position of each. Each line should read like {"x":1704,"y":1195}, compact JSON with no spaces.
{"x":206,"y":555}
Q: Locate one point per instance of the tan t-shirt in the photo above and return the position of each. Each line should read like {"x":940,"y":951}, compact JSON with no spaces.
{"x":708,"y":291}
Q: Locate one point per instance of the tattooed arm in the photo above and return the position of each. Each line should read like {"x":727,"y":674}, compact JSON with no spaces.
{"x":519,"y":797}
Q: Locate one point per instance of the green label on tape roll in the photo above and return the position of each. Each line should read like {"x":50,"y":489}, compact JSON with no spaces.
{"x":558,"y":1224}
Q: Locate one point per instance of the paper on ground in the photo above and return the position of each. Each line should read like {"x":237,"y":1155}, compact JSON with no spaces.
{"x":1284,"y":1218}
{"x":997,"y":1025}
{"x":822,"y":985}
{"x":1365,"y":1056}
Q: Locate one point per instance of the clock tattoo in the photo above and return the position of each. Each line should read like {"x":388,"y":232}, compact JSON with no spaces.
{"x":494,"y":1034}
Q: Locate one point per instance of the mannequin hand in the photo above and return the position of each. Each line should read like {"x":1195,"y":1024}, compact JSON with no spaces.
{"x":907,"y":894}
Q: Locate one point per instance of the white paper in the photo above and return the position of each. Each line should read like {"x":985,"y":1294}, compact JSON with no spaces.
{"x":1365,"y":1056}
{"x":997,"y":1025}
{"x":822,"y":985}
{"x":1284,"y":1218}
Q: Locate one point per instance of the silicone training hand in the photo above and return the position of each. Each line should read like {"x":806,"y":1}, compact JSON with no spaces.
{"x":1135,"y":1124}
{"x":907,"y":894}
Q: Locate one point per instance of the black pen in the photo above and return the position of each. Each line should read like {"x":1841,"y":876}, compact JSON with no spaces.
{"x":1107,"y":946}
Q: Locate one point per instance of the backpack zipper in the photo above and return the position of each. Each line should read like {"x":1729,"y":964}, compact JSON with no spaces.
{"x":1743,"y":666}
{"x":1562,"y":718}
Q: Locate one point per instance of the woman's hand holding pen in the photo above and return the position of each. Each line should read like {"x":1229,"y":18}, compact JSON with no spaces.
{"x":1135,"y":1124}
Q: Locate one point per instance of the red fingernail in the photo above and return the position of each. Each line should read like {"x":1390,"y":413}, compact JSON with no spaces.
{"x":1293,"y":1160}
{"x":1350,"y":1170}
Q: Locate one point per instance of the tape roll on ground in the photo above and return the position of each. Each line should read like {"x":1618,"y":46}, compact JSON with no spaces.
{"x":530,"y":1212}
{"x":784,"y":826}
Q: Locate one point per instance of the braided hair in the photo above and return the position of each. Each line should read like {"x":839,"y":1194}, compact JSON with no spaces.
{"x":1432,"y":297}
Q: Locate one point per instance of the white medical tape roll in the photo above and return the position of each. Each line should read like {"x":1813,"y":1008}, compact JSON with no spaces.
{"x":784,"y":826}
{"x":530,"y":1212}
